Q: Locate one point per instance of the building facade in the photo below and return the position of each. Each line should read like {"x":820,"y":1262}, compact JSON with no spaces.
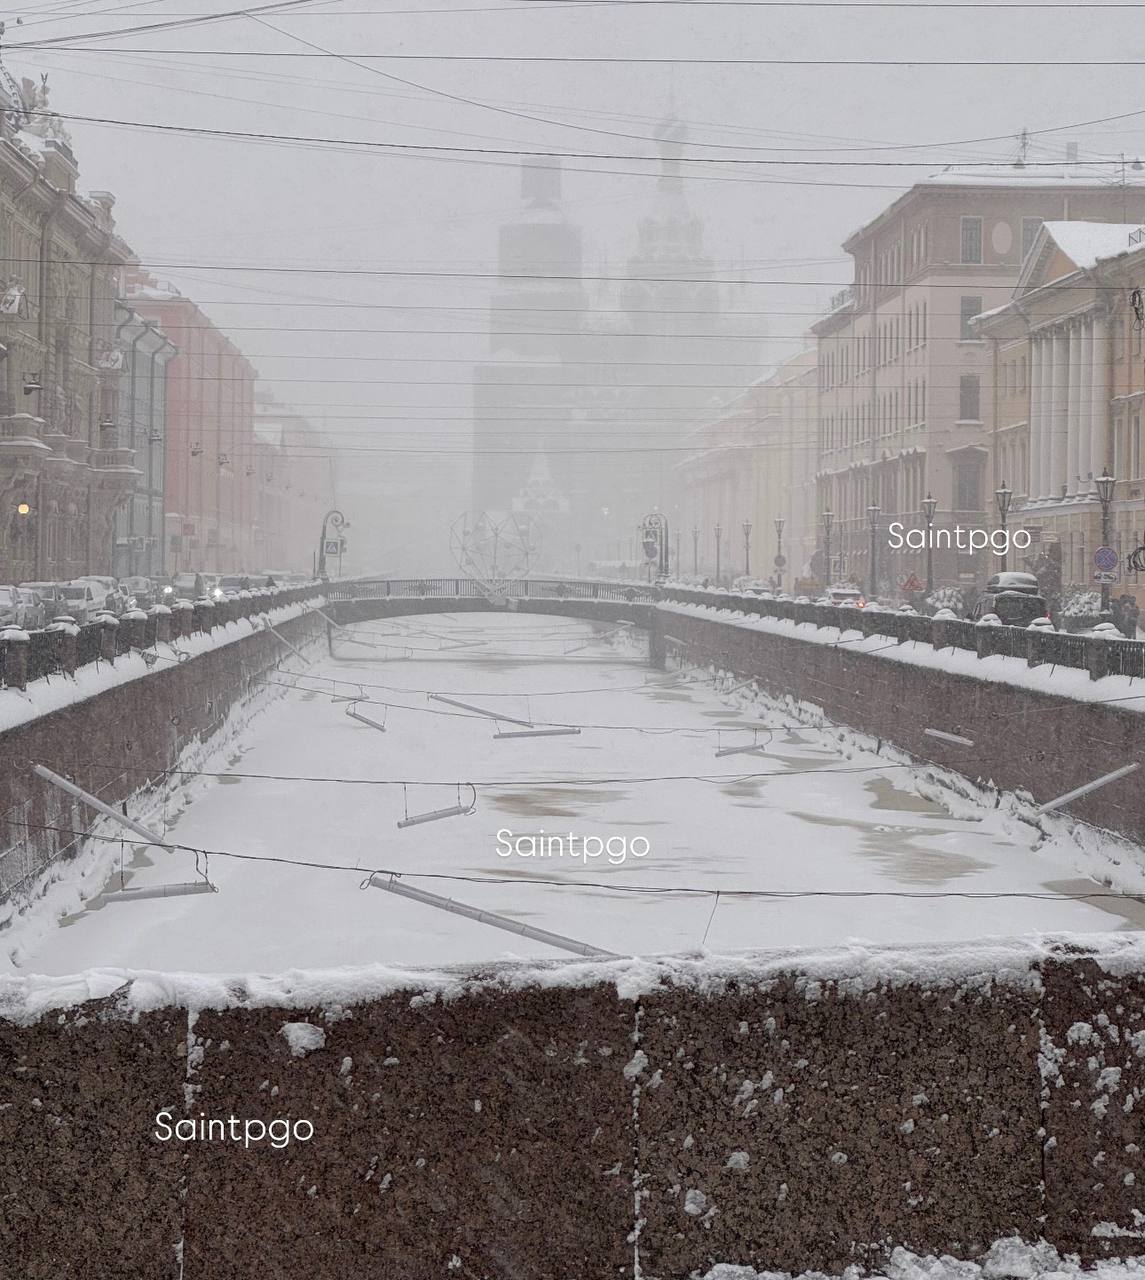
{"x":1068,"y":355}
{"x":906,"y":379}
{"x":210,"y":476}
{"x":756,"y":463}
{"x":144,"y":352}
{"x":64,"y":471}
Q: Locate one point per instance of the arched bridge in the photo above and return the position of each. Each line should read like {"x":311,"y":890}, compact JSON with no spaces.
{"x":366,"y":599}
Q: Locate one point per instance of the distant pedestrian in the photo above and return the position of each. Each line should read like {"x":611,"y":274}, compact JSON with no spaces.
{"x":1132,"y":617}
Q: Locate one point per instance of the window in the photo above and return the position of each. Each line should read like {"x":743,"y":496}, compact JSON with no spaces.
{"x":968,"y":403}
{"x":971,"y":307}
{"x":968,"y":487}
{"x":1030,"y":229}
{"x":971,"y":240}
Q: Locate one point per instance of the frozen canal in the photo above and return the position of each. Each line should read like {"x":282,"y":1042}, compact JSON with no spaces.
{"x":805,"y":813}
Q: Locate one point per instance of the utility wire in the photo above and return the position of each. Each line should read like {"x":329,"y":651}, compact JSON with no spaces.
{"x":579,"y":883}
{"x":1108,"y":163}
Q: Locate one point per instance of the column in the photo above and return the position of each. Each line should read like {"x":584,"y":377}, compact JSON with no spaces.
{"x":1085,"y":425}
{"x":1033,"y":473}
{"x":1100,"y":395}
{"x":1059,"y":413}
{"x":1047,"y":413}
{"x":1073,"y":419}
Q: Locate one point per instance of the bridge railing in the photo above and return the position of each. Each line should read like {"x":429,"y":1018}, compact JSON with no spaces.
{"x":62,"y":647}
{"x":1097,"y":654}
{"x":514,"y":589}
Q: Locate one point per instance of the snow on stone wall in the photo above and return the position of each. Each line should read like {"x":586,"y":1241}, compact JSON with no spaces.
{"x":578,"y":1121}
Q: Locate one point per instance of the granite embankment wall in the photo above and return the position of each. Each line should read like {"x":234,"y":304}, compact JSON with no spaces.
{"x":1026,"y":739}
{"x":114,"y":728}
{"x":579,"y":1122}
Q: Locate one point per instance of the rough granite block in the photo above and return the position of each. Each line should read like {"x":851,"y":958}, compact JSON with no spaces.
{"x":484,"y":1136}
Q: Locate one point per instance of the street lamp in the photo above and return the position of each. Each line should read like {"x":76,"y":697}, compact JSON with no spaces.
{"x":747,"y":548}
{"x":695,"y":551}
{"x":1005,"y":497}
{"x":929,"y":507}
{"x":873,"y":516}
{"x":828,"y":520}
{"x":719,"y":534}
{"x":1105,"y":485}
{"x":338,"y":520}
{"x":779,"y":552}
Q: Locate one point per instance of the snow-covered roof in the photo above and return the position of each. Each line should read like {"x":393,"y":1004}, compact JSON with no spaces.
{"x":1100,"y":173}
{"x":1088,"y":243}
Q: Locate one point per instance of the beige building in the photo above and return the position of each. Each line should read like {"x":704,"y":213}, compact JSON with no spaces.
{"x":754,"y":462}
{"x":906,"y":379}
{"x":1070,"y":386}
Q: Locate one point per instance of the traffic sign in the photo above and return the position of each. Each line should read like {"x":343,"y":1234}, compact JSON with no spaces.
{"x":911,"y":583}
{"x":1105,"y":559}
{"x":1105,"y":576}
{"x":333,"y":546}
{"x":779,"y":562}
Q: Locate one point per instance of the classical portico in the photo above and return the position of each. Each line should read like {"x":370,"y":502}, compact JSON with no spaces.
{"x":1069,"y":404}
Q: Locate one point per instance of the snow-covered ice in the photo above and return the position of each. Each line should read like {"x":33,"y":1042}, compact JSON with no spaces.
{"x":815,"y":810}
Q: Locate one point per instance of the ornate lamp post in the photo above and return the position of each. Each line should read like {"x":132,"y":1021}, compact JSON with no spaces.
{"x":338,"y":520}
{"x":873,"y":516}
{"x":828,"y":520}
{"x":719,"y":534}
{"x":929,"y":506}
{"x":1105,"y":486}
{"x":695,"y":550}
{"x":1005,"y":497}
{"x":779,"y":522}
{"x":747,"y":548}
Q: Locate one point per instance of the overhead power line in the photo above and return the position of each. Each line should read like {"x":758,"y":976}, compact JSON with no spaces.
{"x":541,"y":154}
{"x":598,"y":59}
{"x":584,"y":278}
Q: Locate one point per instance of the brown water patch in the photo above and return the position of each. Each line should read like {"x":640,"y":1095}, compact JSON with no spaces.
{"x":889,"y":796}
{"x":1130,"y":911}
{"x":553,"y":802}
{"x":898,"y":852}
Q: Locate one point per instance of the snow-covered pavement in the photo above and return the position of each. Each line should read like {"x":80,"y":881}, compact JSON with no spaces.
{"x":811,"y":811}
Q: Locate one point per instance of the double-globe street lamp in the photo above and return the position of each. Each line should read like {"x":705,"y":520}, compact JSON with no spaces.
{"x":339,"y":521}
{"x":695,"y":551}
{"x":929,"y":507}
{"x":719,"y":535}
{"x":873,"y":516}
{"x":747,"y":548}
{"x":1105,"y":486}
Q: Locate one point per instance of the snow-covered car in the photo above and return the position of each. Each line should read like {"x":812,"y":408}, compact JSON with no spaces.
{"x":1013,"y":608}
{"x":81,"y":599}
{"x":846,"y":595}
{"x":35,"y":608}
{"x":13,"y":609}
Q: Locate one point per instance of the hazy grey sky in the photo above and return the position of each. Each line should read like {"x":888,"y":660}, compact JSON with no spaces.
{"x":225,"y":203}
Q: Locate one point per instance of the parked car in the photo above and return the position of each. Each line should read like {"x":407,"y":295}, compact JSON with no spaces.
{"x":140,"y":592}
{"x":230,"y":584}
{"x":1013,"y":598}
{"x":111,"y":597}
{"x":49,"y":593}
{"x":81,"y":599}
{"x":35,"y":609}
{"x":846,"y":595}
{"x":13,"y":609}
{"x":187,"y":585}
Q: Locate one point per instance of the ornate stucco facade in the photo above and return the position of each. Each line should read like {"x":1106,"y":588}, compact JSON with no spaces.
{"x":63,"y":469}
